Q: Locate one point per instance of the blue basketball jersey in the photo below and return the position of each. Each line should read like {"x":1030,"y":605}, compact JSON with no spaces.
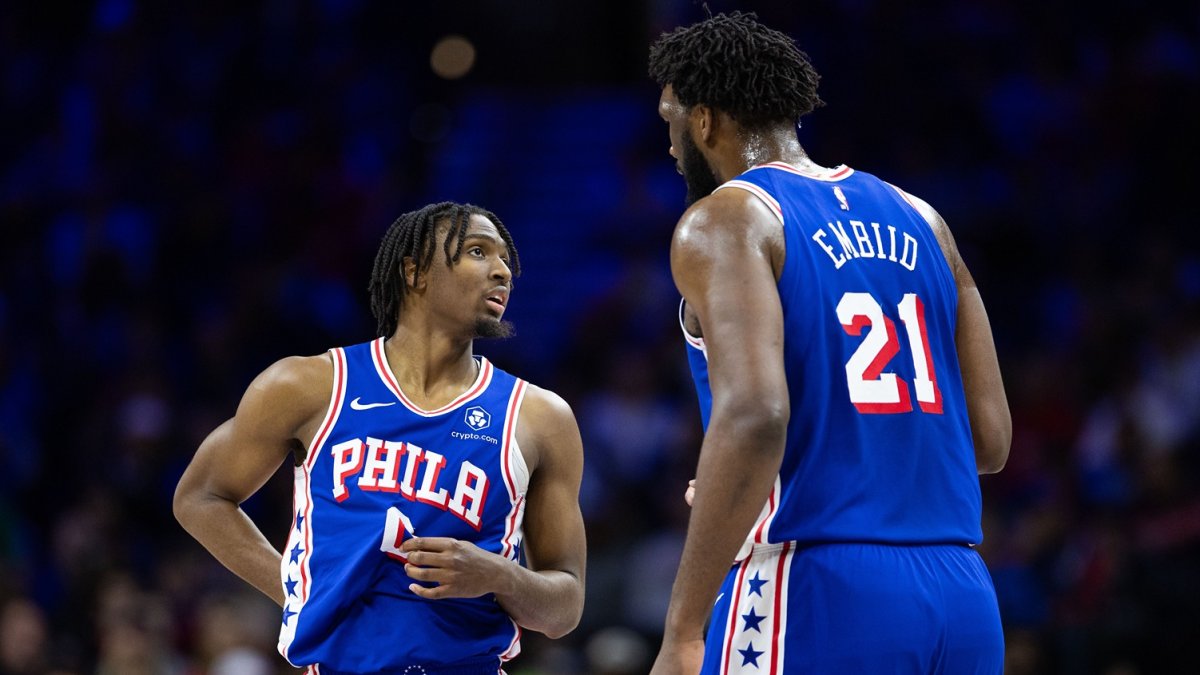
{"x":381,"y":470}
{"x":879,"y":447}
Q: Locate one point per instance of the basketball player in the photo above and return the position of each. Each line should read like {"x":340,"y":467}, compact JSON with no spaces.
{"x":849,"y":386}
{"x":422,"y":474}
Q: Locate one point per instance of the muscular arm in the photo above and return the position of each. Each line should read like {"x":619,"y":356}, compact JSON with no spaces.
{"x":237,"y":458}
{"x":721,"y":258}
{"x":987,"y":404}
{"x":547,"y":596}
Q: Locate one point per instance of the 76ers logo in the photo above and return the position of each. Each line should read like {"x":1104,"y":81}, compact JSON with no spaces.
{"x":477,"y":418}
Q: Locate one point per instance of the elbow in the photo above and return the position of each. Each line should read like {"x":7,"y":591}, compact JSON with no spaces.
{"x":556,"y":632}
{"x":184,"y":505}
{"x":991,"y":430}
{"x":179,"y":506}
{"x":991,"y":460}
{"x":565,"y":624}
{"x":991,"y":450}
{"x":763,"y":425}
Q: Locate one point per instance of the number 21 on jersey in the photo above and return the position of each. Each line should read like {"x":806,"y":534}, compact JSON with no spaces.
{"x":872,"y":390}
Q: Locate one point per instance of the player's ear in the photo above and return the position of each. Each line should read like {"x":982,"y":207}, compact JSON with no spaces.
{"x":410,"y":274}
{"x":703,"y":119}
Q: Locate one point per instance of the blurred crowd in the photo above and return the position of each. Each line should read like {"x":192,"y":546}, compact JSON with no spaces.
{"x":190,"y":192}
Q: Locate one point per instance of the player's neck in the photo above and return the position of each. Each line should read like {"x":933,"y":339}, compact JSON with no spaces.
{"x":431,"y":367}
{"x":754,"y":148}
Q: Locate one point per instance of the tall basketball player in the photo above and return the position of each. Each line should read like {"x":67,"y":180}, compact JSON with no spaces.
{"x":422,"y":474}
{"x":849,"y":386}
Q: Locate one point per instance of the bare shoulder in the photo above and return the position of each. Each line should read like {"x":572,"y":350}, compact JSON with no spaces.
{"x":294,"y":391}
{"x":297,"y":376}
{"x":727,"y":232}
{"x":547,"y":427}
{"x":544,"y":409}
{"x":940,"y":229}
{"x":729,"y":214}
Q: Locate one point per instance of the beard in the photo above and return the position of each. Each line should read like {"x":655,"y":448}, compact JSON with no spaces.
{"x":698,"y":176}
{"x":493,"y":328}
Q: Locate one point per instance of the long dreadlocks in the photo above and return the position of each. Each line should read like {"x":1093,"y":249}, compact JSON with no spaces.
{"x":735,"y":64}
{"x":414,"y":235}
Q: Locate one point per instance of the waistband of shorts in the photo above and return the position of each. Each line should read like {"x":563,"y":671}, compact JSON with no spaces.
{"x":774,"y":549}
{"x":489,"y":666}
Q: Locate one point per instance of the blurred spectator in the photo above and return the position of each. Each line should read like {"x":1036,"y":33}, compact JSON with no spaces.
{"x":24,"y":638}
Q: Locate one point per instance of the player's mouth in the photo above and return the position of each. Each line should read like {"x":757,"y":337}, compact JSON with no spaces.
{"x":497,"y":299}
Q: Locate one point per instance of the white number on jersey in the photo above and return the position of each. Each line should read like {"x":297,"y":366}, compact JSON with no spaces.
{"x":872,"y":390}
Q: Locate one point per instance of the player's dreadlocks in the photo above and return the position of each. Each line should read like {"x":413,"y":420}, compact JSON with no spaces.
{"x":413,"y":235}
{"x":735,"y":64}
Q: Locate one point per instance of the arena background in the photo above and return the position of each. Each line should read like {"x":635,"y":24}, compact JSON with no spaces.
{"x":190,"y":191}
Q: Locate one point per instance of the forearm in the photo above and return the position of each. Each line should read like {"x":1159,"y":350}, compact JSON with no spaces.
{"x":987,"y":404}
{"x":547,"y":601}
{"x":234,"y":540}
{"x":734,"y":480}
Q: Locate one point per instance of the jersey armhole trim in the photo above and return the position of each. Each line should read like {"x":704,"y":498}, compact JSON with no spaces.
{"x":692,"y":340}
{"x":336,"y":399}
{"x":908,"y":198}
{"x":763,"y":196}
{"x":516,"y":475}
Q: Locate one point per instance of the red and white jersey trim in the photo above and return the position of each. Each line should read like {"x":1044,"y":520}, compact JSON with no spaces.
{"x":379,"y":356}
{"x":761,"y":532}
{"x":514,"y":647}
{"x":833,"y":175}
{"x":302,"y":508}
{"x":762,"y":529}
{"x":336,"y":399}
{"x":516,"y":481}
{"x":908,"y":198}
{"x":763,"y":196}
{"x":516,"y":475}
{"x":692,"y":340}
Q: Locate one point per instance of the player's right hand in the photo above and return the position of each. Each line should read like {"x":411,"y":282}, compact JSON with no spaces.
{"x":459,"y":569}
{"x":690,"y":493}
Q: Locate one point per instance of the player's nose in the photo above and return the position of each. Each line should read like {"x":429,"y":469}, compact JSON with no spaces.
{"x":501,"y":271}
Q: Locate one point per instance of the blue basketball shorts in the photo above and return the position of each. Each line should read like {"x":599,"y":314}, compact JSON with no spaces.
{"x":856,"y":608}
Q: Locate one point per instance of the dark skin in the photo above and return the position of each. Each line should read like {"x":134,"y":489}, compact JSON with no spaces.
{"x":726,"y":257}
{"x":431,"y":357}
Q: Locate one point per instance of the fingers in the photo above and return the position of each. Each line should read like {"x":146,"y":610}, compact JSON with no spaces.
{"x":429,"y":558}
{"x":443,"y":567}
{"x":690,"y":493}
{"x":429,"y":593}
{"x":435,"y":544}
{"x":428,"y":575}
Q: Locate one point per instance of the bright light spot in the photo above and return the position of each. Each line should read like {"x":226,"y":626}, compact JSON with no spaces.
{"x":452,"y":57}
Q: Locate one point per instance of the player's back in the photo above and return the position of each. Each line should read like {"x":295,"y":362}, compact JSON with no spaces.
{"x":879,"y":446}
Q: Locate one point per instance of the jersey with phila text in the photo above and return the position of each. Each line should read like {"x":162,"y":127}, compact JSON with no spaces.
{"x":879,"y":446}
{"x":379,"y":471}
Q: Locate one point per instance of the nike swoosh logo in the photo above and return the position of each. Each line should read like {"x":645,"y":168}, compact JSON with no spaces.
{"x":718,"y":599}
{"x":367,"y":406}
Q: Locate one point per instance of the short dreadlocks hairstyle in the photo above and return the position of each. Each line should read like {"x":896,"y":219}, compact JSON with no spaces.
{"x":413,"y":235}
{"x":735,"y":64}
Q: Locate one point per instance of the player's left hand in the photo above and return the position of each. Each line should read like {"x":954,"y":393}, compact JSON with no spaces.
{"x":459,"y":568}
